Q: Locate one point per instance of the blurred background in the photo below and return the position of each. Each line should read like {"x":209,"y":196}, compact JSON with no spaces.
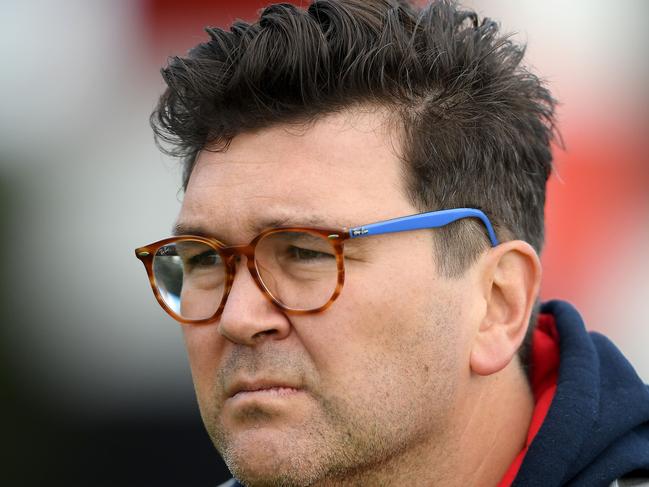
{"x":95,"y":385}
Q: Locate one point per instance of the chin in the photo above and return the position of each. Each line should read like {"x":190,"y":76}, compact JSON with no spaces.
{"x":263,"y":457}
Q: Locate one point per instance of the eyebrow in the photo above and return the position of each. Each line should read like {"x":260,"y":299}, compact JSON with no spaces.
{"x":182,"y":228}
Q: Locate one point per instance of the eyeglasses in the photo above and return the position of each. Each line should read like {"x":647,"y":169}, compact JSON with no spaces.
{"x":300,"y":270}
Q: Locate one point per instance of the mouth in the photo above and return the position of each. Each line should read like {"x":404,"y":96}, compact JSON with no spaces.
{"x":262,"y":387}
{"x":269,"y":392}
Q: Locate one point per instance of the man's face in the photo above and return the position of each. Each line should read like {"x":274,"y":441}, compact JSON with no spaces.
{"x":377,"y":374}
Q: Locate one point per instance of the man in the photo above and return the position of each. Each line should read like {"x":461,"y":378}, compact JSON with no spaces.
{"x":380,"y":170}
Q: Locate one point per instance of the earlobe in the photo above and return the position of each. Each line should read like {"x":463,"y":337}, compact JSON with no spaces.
{"x":510,"y":278}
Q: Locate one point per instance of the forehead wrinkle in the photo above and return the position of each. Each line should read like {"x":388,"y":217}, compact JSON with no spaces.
{"x":209,"y":173}
{"x":231,"y":178}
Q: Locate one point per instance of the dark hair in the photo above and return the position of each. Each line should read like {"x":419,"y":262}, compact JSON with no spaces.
{"x":476,"y":124}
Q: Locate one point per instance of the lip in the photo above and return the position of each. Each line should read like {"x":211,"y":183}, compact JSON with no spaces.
{"x":270,"y":387}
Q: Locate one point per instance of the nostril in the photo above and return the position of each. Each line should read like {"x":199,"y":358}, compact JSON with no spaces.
{"x":264,"y":334}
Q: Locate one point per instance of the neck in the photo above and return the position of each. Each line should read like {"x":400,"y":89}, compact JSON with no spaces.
{"x":490,"y":424}
{"x":499,"y":419}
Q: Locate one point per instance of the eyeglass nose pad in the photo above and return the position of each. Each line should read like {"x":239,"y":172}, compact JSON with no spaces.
{"x":233,"y":261}
{"x":267,"y":279}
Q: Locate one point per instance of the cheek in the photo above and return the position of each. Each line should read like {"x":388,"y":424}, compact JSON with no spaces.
{"x":381,"y":342}
{"x":204,"y":351}
{"x":397,"y":382}
{"x":389,"y":300}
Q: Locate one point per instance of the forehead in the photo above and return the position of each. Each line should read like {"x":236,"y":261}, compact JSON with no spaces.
{"x":340,"y":170}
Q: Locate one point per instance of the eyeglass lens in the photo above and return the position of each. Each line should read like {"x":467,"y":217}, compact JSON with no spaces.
{"x":298,"y":269}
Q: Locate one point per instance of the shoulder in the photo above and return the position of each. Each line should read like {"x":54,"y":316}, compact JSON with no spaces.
{"x":233,"y":483}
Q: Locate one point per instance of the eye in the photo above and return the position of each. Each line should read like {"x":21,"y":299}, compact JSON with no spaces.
{"x":306,"y":255}
{"x":209,"y":258}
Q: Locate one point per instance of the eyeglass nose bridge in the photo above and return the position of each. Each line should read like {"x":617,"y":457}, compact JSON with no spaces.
{"x":232,"y":254}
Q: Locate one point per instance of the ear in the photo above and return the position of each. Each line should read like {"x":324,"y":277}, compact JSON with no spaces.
{"x":510,"y":277}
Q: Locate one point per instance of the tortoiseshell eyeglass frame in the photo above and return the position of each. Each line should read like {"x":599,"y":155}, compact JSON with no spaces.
{"x":336,"y":237}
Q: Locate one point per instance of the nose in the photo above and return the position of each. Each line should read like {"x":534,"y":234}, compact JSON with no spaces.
{"x":248,"y":317}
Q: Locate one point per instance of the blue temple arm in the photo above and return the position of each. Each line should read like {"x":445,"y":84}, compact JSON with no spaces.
{"x":433,"y":219}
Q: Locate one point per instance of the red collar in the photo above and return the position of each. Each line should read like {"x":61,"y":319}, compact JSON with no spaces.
{"x":545,"y":370}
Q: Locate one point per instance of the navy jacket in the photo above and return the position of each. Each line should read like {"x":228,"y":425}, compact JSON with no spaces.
{"x":597,"y":428}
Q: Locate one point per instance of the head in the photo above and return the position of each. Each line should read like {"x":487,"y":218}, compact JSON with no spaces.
{"x":345,"y":113}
